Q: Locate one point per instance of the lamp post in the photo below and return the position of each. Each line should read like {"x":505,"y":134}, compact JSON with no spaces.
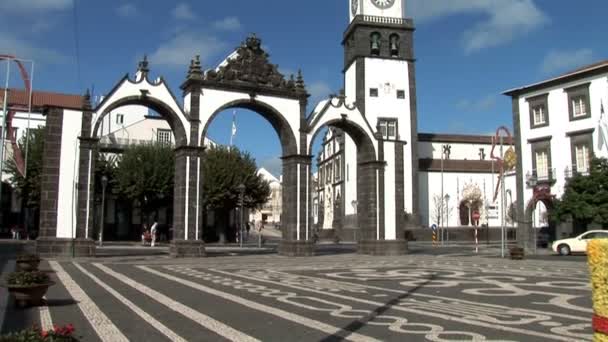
{"x":104,"y":184}
{"x":241,"y":189}
{"x":447,"y":216}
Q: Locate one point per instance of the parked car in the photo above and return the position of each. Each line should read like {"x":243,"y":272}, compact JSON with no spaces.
{"x":577,"y":244}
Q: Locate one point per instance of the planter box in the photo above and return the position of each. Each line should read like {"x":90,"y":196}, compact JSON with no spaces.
{"x":29,"y":295}
{"x":517,"y":253}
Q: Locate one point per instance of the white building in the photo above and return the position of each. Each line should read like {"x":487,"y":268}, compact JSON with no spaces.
{"x":557,"y":127}
{"x":270,"y":212}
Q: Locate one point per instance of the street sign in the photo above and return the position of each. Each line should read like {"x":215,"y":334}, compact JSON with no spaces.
{"x":434,"y":226}
{"x":476,"y":215}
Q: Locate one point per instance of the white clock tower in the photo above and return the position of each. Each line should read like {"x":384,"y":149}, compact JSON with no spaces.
{"x":379,"y":76}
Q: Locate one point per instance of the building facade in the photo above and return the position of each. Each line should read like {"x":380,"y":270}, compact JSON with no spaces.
{"x":559,"y":124}
{"x":270,"y":212}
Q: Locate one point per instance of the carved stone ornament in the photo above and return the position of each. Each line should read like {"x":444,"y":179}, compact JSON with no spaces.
{"x":252,"y":69}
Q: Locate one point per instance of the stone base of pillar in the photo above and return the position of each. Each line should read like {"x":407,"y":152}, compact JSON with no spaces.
{"x":47,"y":247}
{"x":297,"y":248}
{"x":187,"y":249}
{"x":382,"y":247}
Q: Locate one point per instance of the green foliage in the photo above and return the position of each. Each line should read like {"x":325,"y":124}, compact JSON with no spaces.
{"x":27,"y":257}
{"x":145,"y":173}
{"x":29,"y":187}
{"x":27,"y":278}
{"x":585,"y":198}
{"x":224,"y":169}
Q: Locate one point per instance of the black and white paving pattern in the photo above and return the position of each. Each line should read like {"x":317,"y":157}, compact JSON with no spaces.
{"x":422,"y":297}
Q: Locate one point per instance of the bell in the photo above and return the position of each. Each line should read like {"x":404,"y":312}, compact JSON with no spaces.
{"x":394,"y":46}
{"x":375,"y":44}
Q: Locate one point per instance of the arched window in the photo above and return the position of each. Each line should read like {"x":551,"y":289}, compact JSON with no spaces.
{"x":394,"y":45}
{"x":375,"y":44}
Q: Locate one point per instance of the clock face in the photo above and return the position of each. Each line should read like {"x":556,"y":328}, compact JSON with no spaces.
{"x":383,"y":4}
{"x":354,"y":6}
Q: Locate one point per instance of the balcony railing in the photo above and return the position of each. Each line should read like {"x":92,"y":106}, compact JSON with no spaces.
{"x":534,"y":177}
{"x":572,"y":171}
{"x":113,"y":143}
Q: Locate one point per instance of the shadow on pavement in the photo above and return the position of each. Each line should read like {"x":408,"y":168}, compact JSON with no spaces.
{"x":355,"y":326}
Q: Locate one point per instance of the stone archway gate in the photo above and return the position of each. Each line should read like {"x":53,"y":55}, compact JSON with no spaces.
{"x":245,"y":79}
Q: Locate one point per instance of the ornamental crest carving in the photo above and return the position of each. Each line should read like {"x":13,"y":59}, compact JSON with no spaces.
{"x":250,"y":67}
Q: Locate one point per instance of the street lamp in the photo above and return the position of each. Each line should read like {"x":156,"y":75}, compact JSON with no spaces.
{"x":447,"y":215}
{"x":104,"y":184}
{"x":241,"y":189}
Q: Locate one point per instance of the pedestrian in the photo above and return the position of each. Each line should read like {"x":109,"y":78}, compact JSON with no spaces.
{"x":14,"y":232}
{"x":153,"y":233}
{"x":144,"y":234}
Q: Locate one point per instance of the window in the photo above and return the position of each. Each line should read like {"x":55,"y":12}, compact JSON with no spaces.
{"x":337,"y":169}
{"x":328,"y":169}
{"x":539,"y":111}
{"x":373,"y":92}
{"x":581,"y":149}
{"x":579,"y":108}
{"x":164,"y":136}
{"x":401,"y":94}
{"x":582,"y":158}
{"x":578,"y":102}
{"x":388,"y":128}
{"x":120,"y":119}
{"x":542,"y":164}
{"x":347,"y":173}
{"x":394,"y":44}
{"x":538,"y":115}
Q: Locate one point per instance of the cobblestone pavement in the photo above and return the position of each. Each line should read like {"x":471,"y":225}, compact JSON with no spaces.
{"x":419,"y":297}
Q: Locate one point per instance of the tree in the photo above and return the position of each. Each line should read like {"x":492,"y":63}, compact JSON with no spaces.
{"x":585,"y":198}
{"x":145,"y":173}
{"x":224,"y":169}
{"x":28,"y":186}
{"x":441,"y":210}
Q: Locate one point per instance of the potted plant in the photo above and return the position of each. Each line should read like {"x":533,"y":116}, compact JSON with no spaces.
{"x":517,"y":253}
{"x":27,"y":262}
{"x":28,"y":288}
{"x":35,"y":334}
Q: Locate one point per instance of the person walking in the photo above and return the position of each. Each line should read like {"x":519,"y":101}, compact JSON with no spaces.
{"x":153,"y":231}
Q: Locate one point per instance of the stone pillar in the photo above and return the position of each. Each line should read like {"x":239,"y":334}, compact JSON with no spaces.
{"x":296,"y":219}
{"x":370,"y":194}
{"x":187,"y":205}
{"x":86,"y":188}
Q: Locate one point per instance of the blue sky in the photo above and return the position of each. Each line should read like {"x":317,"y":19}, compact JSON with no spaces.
{"x":468,"y":51}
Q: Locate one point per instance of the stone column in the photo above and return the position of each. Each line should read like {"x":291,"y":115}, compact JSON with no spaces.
{"x":187,"y":211}
{"x":370,"y":194}
{"x":296,"y":219}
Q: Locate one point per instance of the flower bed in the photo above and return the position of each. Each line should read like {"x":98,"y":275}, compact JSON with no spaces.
{"x":597,"y":252}
{"x":27,"y":262}
{"x":35,"y":334}
{"x":28,"y":288}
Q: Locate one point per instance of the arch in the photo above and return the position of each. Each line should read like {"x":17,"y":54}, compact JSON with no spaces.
{"x":268,"y":112}
{"x":157,"y":105}
{"x":531,"y":206}
{"x":364,"y":143}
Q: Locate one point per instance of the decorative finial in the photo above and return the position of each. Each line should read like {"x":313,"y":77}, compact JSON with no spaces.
{"x":195,"y":71}
{"x":143,"y":66}
{"x":300,"y":80}
{"x":86,"y":100}
{"x":253,"y":42}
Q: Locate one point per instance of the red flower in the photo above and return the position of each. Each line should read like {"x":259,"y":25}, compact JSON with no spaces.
{"x":44,"y":333}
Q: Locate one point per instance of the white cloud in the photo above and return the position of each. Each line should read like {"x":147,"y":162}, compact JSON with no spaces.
{"x":179,"y":50}
{"x":273,"y":165}
{"x":228,"y":24}
{"x":479,"y":105}
{"x":556,"y":61}
{"x":126,"y":10}
{"x":183,"y":11}
{"x":505,"y":20}
{"x":13,"y":45}
{"x":318,"y":91}
{"x":34,"y":5}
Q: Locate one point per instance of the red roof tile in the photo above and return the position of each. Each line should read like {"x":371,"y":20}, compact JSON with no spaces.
{"x":18,"y":97}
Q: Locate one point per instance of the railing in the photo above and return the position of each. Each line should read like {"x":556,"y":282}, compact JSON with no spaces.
{"x":572,"y":171}
{"x":534,"y":177}
{"x":121,"y":143}
{"x":384,"y":20}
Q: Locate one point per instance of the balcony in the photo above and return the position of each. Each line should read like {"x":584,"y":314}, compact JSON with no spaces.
{"x":572,"y":171}
{"x":535,"y":178}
